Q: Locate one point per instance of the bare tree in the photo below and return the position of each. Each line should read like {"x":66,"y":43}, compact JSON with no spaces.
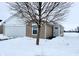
{"x":41,"y":12}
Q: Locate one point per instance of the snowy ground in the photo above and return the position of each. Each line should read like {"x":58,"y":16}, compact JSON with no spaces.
{"x":2,"y":37}
{"x":60,"y":46}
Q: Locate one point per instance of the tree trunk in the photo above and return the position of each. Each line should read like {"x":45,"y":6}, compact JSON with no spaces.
{"x":38,"y":35}
{"x":39,"y":24}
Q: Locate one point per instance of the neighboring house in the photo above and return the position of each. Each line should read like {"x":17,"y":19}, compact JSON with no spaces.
{"x":58,"y":30}
{"x":15,"y":27}
{"x":61,"y":31}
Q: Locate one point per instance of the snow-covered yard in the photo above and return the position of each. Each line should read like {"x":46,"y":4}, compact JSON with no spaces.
{"x":3,"y":37}
{"x":24,"y":46}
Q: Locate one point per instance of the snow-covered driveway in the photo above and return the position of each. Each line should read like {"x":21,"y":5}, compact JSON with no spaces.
{"x":67,"y":45}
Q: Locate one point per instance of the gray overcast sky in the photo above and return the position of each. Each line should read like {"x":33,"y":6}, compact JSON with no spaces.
{"x":71,"y":22}
{"x":4,"y":11}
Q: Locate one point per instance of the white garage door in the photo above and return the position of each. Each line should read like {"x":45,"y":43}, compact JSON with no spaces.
{"x":15,"y":31}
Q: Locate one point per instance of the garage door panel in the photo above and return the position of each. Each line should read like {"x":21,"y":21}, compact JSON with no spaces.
{"x":15,"y":31}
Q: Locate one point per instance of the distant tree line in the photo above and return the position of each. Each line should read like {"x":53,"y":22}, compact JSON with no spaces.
{"x":73,"y":30}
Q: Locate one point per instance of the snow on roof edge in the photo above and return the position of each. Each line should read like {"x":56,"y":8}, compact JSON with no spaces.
{"x":6,"y":19}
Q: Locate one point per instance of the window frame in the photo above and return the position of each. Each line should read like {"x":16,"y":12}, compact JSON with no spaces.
{"x":33,"y":24}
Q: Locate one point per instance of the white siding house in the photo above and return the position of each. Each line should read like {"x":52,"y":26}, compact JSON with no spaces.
{"x":14,"y":27}
{"x":58,"y":30}
{"x":61,"y":30}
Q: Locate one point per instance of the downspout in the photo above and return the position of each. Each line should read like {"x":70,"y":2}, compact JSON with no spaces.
{"x":45,"y":30}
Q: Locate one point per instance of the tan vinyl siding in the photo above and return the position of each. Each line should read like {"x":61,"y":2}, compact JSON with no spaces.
{"x":49,"y":31}
{"x":42,"y":33}
{"x":29,"y":30}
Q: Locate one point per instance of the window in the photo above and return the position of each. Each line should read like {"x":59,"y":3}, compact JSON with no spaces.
{"x":56,"y":27}
{"x":34,"y":29}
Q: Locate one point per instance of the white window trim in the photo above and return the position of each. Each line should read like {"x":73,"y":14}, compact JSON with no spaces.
{"x":32,"y":28}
